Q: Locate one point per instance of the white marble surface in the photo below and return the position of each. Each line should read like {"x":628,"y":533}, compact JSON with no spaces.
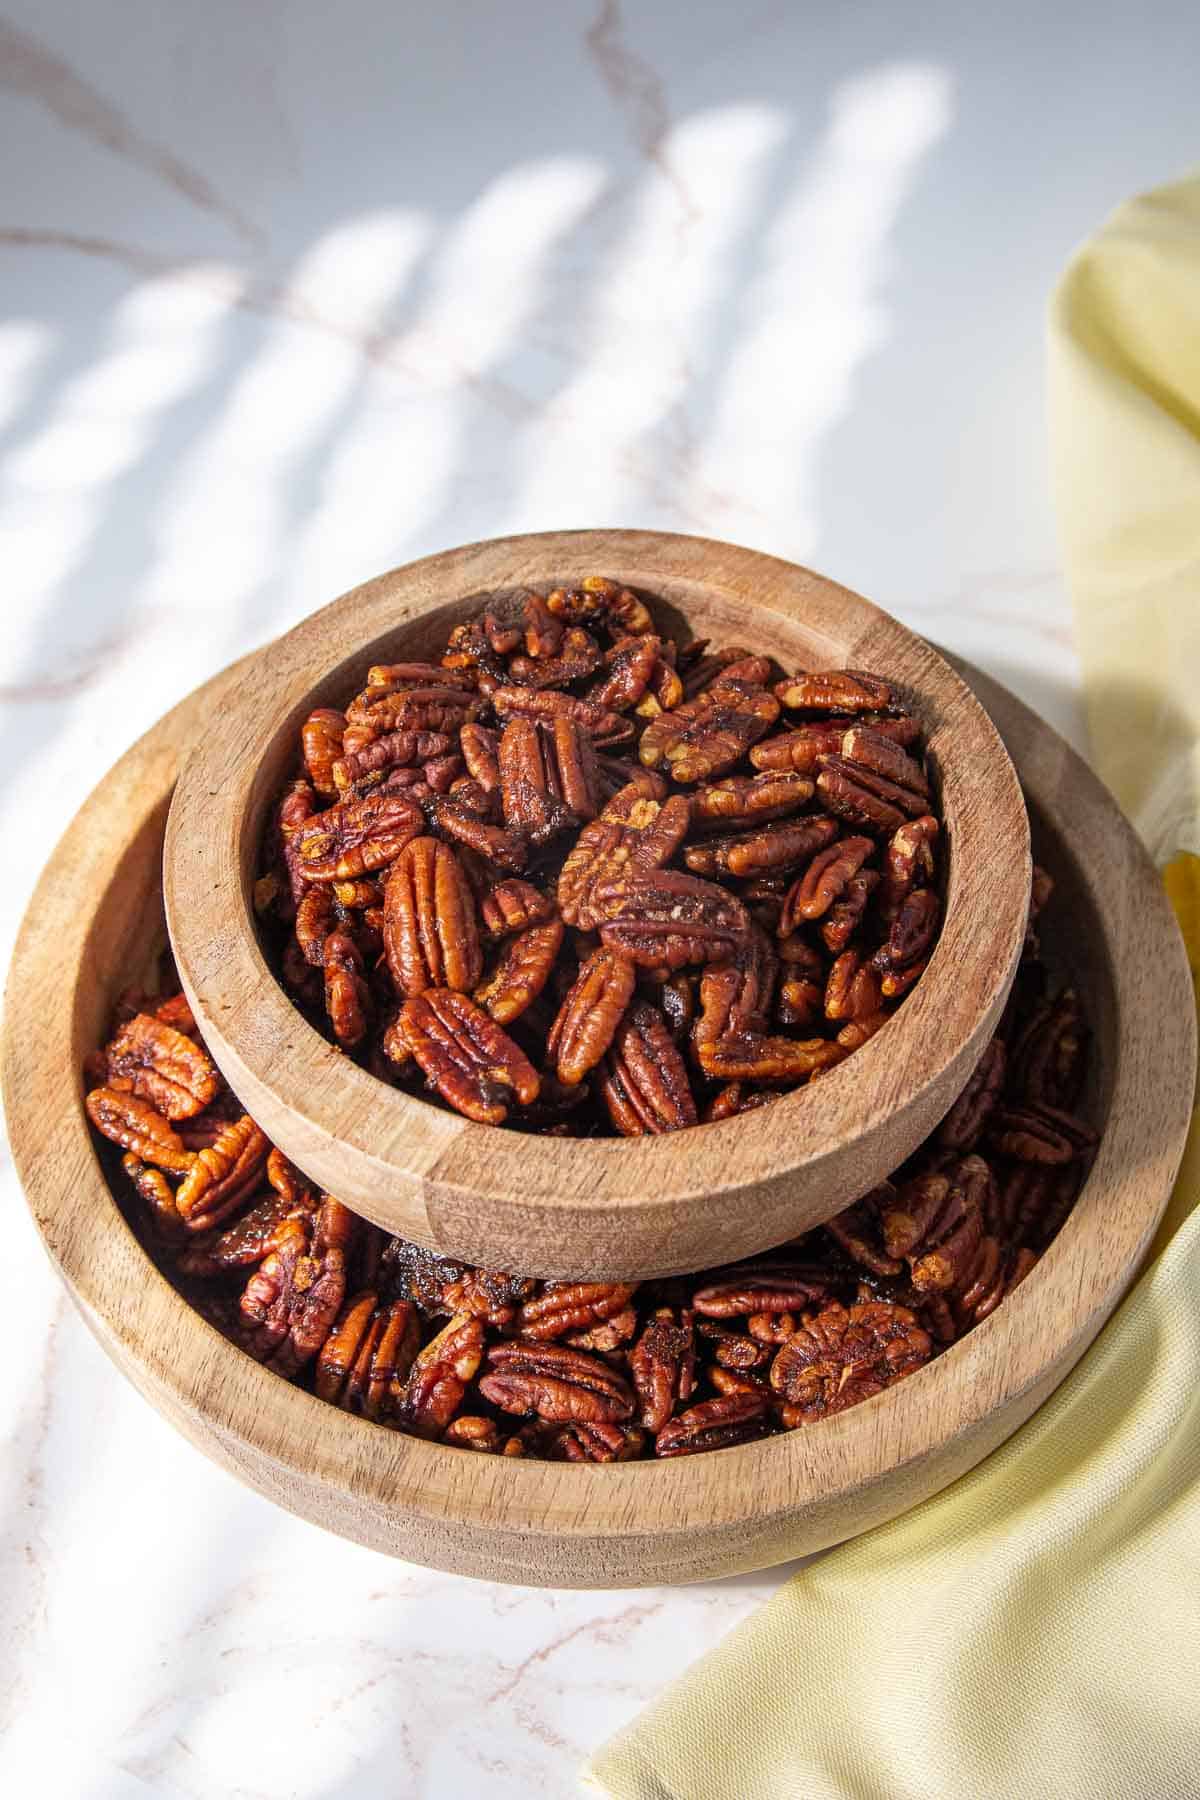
{"x":292,"y":293}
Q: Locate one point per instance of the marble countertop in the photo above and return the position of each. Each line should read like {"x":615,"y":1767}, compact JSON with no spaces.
{"x":292,"y":294}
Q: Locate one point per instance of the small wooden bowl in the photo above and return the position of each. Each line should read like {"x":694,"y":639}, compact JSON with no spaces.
{"x":616,"y":1210}
{"x":93,"y":919}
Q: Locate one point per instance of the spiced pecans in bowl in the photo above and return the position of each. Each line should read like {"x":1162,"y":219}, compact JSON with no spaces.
{"x":582,"y":881}
{"x":552,"y":880}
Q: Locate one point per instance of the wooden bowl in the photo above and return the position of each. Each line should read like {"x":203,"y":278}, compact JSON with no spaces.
{"x":616,"y":1210}
{"x":86,"y":935}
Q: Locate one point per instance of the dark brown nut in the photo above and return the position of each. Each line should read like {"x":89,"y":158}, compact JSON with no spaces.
{"x":593,"y":1441}
{"x":714,"y":1425}
{"x":480,"y":748}
{"x":798,"y":752}
{"x":863,"y":798}
{"x":1048,"y":1055}
{"x":664,"y":919}
{"x":357,"y":837}
{"x":438,"y":1284}
{"x":438,"y":1379}
{"x":393,"y":751}
{"x":765,"y":1287}
{"x":430,"y":934}
{"x":441,"y":772}
{"x":255,"y":1235}
{"x":844,"y":1355}
{"x":609,"y":1335}
{"x":907,"y":863}
{"x":663,"y":1366}
{"x":734,"y":1099}
{"x":858,"y":1231}
{"x":734,"y":1350}
{"x":221,"y":1177}
{"x":751,"y":799}
{"x":522,"y":972}
{"x":910,"y":937}
{"x":869,"y":749}
{"x":834,"y":691}
{"x":645,"y":1085}
{"x":1039,"y":1134}
{"x":404,"y":678}
{"x":435,"y":705}
{"x":635,"y":833}
{"x":845,"y":915}
{"x":735,"y":996}
{"x":295,"y":809}
{"x":852,"y":990}
{"x":514,"y":905}
{"x":476,"y":649}
{"x":704,"y":737}
{"x":1033,"y":1200}
{"x":578,"y":657}
{"x":347,"y":996}
{"x":565,"y":1306}
{"x":472,"y":1432}
{"x":321,"y":746}
{"x":548,"y":777}
{"x":824,"y":881}
{"x":473,"y":1064}
{"x":700,"y":666}
{"x":936,"y":1222}
{"x":598,"y":597}
{"x":292,"y":1300}
{"x":665,"y":691}
{"x":139,"y":1128}
{"x":505,"y":848}
{"x":155,"y":1190}
{"x":964,"y":1124}
{"x":590,"y":1014}
{"x":601,"y":724}
{"x":779,"y":846}
{"x":628,"y":668}
{"x":754,"y":1056}
{"x":163,"y":1066}
{"x":800,"y":1001}
{"x":617,"y":772}
{"x":315,"y":920}
{"x":367,"y":1356}
{"x":543,"y":629}
{"x":557,"y":1383}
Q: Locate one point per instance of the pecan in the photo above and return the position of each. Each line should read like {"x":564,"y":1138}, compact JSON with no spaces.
{"x":439,"y":1376}
{"x":578,"y":657}
{"x":1039,"y":1134}
{"x":315,"y":920}
{"x":590,"y":1014}
{"x":635,"y":833}
{"x":907,"y":863}
{"x":429,"y":930}
{"x":599,"y":597}
{"x":936,"y":1223}
{"x":559,"y":1384}
{"x":347,"y":997}
{"x":855,"y":791}
{"x":522,"y":972}
{"x":750,"y":798}
{"x":707,"y":735}
{"x":480,"y":749}
{"x":835,"y":691}
{"x":321,"y":746}
{"x":437,"y":706}
{"x":1047,"y":1059}
{"x":845,"y":915}
{"x":357,"y":836}
{"x":295,"y":809}
{"x":566,"y":1306}
{"x":823,"y":882}
{"x":255,"y":1235}
{"x":852,"y":990}
{"x":514,"y":905}
{"x":762,"y":1288}
{"x":736,"y":1350}
{"x":700,"y":666}
{"x":843,"y":1355}
{"x":403,"y":678}
{"x":547,"y":776}
{"x":778,"y":846}
{"x":645,"y":1085}
{"x":677,"y":998}
{"x":734,"y":1099}
{"x":393,"y":751}
{"x":293,"y":1299}
{"x":663,"y":1366}
{"x":802,"y":749}
{"x":963,"y":1125}
{"x":139,"y":1128}
{"x":909,"y":938}
{"x":506,"y":848}
{"x":601,"y":724}
{"x":472,"y":1432}
{"x":593,"y":1441}
{"x":714,"y":1425}
{"x":665,"y":690}
{"x":664,"y":919}
{"x":543,"y":629}
{"x":163,"y":1066}
{"x":155,"y":1190}
{"x":859,"y":1232}
{"x":608,"y":1334}
{"x":464,"y":1054}
{"x":735,"y":996}
{"x":628,"y":667}
{"x":367,"y":1356}
{"x":221,"y":1177}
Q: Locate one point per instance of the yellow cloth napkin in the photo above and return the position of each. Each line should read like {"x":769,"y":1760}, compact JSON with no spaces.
{"x":1034,"y":1632}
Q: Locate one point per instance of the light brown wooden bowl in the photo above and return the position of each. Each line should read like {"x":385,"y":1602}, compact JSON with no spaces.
{"x":616,"y":1210}
{"x":86,"y":934}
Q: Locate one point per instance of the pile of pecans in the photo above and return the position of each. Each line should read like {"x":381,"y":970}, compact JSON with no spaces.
{"x":598,"y":1371}
{"x":580,"y":880}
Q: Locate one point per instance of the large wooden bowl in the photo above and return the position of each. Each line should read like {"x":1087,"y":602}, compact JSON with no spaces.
{"x":616,"y":1210}
{"x":91,"y":921}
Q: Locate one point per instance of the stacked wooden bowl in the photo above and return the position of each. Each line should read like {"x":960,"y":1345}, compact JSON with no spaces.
{"x":608,"y":1209}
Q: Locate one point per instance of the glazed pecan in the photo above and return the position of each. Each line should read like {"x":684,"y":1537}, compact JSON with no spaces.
{"x":1039,"y":1134}
{"x":592,"y":1441}
{"x":590,"y":1014}
{"x":548,"y":777}
{"x":473,"y":1064}
{"x":221,"y":1177}
{"x":138,"y":1128}
{"x":559,"y":1384}
{"x":315,"y":919}
{"x":852,"y":991}
{"x":750,"y":799}
{"x":480,"y":749}
{"x":292,"y":1300}
{"x":436,"y":707}
{"x":664,"y":919}
{"x":907,"y":863}
{"x":802,"y":749}
{"x":367,"y":1356}
{"x":255,"y":1235}
{"x":1047,"y":1056}
{"x":909,"y":939}
{"x":383,"y":755}
{"x":163,"y":1066}
{"x":599,"y":597}
{"x":662,"y":1365}
{"x":781,"y":845}
{"x":824,"y":881}
{"x":857,"y":789}
{"x":935,"y":1221}
{"x":645,"y":1083}
{"x":964,"y":1124}
{"x":735,"y":996}
{"x":714,"y":1425}
{"x":834,"y":691}
{"x":321,"y":746}
{"x":507,"y":848}
{"x":514,"y":905}
{"x":156,"y":1191}
{"x":357,"y":836}
{"x":438,"y":1379}
{"x":765,"y":1287}
{"x":522,"y":972}
{"x":636,"y":833}
{"x":347,"y":997}
{"x":578,"y":657}
{"x":841,"y":1355}
{"x":429,"y":926}
{"x":602,"y":725}
{"x":707,"y":735}
{"x":574,"y":1306}
{"x":628,"y":668}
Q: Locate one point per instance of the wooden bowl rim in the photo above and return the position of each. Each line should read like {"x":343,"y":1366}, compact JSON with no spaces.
{"x":389,"y":1139}
{"x":459,"y":1491}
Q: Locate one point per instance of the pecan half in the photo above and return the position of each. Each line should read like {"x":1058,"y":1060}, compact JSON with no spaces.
{"x":834,"y":690}
{"x":507,"y":848}
{"x":602,"y":725}
{"x":480,"y":749}
{"x":566,"y":1306}
{"x":714,"y":1425}
{"x":156,"y":1191}
{"x":664,"y":919}
{"x":438,"y":1379}
{"x":936,"y":1223}
{"x":843,"y":1355}
{"x":803,"y":748}
{"x":635,"y":833}
{"x":1047,"y":1058}
{"x":593,"y":1441}
{"x":909,"y":938}
{"x":751,"y":799}
{"x":599,"y":597}
{"x":430,"y":934}
{"x":163,"y":1066}
{"x":559,"y":1384}
{"x":473,"y":1064}
{"x":522,"y":972}
{"x":590,"y":1014}
{"x":824,"y":881}
{"x":221,"y":1176}
{"x":367,"y":1356}
{"x":347,"y":997}
{"x":514,"y":905}
{"x":293,"y":1299}
{"x":383,"y":755}
{"x":645,"y":1085}
{"x":907,"y":863}
{"x":663,"y":1366}
{"x":321,"y":746}
{"x":139,"y":1128}
{"x":548,"y":777}
{"x":628,"y":668}
{"x":770,"y":1287}
{"x":855,"y":791}
{"x":707,"y":735}
{"x":963,"y":1125}
{"x":777,"y":846}
{"x":1039,"y":1134}
{"x":357,"y":836}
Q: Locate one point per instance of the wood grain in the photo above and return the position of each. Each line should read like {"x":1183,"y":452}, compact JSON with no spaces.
{"x":625,"y":1209}
{"x":580,"y":1525}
